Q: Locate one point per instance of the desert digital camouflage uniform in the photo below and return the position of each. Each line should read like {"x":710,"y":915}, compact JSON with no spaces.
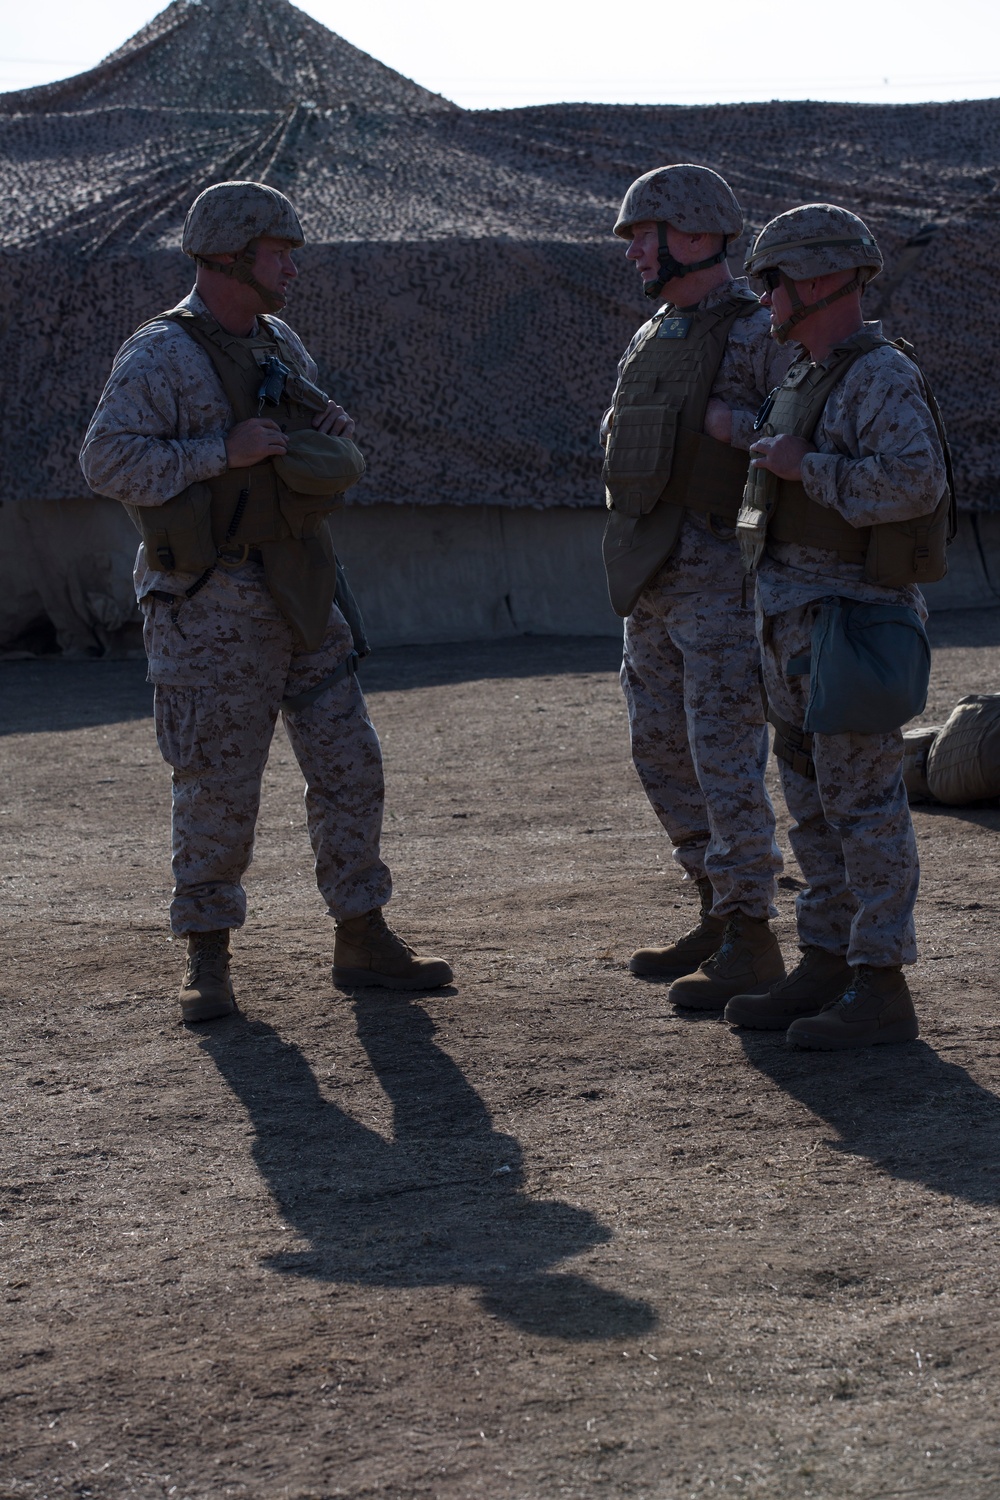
{"x":879,"y":459}
{"x":225,"y":659}
{"x":690,"y":672}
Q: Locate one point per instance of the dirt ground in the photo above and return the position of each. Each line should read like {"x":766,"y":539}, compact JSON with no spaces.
{"x":536,"y":1236}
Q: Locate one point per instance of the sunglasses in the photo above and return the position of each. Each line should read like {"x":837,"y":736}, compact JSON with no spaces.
{"x":769,"y":278}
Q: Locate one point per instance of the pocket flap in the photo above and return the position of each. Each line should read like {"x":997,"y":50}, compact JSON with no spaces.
{"x":640,"y":456}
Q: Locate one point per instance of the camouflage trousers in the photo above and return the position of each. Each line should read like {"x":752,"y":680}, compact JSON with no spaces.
{"x":699,"y":740}
{"x":851,"y":833}
{"x":221,"y":670}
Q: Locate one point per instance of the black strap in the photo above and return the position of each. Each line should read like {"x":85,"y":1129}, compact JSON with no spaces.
{"x":298,"y":701}
{"x":670,"y":269}
{"x":792,"y":745}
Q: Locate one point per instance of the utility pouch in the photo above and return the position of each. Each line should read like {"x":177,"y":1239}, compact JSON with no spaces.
{"x":640,"y":456}
{"x":906,"y":552}
{"x":177,"y":536}
{"x":759,"y":499}
{"x":869,"y":668}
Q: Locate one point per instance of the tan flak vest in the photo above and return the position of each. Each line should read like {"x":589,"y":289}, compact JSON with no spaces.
{"x":894,"y":553}
{"x":659,"y":462}
{"x":249,"y":508}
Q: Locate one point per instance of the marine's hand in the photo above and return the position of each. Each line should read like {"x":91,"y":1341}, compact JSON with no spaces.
{"x":251,"y":442}
{"x":718,"y":420}
{"x":783,"y":455}
{"x":335,"y":421}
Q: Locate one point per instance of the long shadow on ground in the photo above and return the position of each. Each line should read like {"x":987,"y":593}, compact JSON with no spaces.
{"x":56,"y":694}
{"x":403,"y":667}
{"x":917,"y":1117}
{"x":52,"y":694}
{"x":439,"y":1204}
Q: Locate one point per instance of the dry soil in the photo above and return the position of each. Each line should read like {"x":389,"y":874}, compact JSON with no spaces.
{"x":535,"y":1236}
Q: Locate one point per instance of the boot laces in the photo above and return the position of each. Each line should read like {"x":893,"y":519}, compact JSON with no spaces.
{"x":858,"y":987}
{"x":724,"y":951}
{"x":380,"y":929}
{"x":211,"y":954}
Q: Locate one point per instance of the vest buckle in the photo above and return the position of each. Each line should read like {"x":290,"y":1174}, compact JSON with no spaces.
{"x":235,"y":555}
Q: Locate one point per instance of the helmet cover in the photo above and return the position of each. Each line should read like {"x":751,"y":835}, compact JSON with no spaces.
{"x":694,"y":199}
{"x":227,"y":216}
{"x":814,"y":240}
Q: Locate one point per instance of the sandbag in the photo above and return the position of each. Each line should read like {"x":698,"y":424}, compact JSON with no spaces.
{"x":963,"y":764}
{"x":916,"y":748}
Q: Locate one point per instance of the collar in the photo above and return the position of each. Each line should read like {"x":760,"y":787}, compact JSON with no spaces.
{"x":195,"y":302}
{"x":874,"y":327}
{"x":712,"y":299}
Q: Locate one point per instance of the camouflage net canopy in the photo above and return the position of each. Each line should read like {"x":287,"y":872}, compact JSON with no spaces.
{"x":461,"y":287}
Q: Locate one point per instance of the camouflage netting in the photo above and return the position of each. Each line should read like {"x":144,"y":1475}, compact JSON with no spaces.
{"x":461,"y":287}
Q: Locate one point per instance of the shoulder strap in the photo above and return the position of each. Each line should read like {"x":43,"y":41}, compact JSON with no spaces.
{"x":278,"y":335}
{"x":211,"y":337}
{"x":905,"y":347}
{"x":298,"y":386}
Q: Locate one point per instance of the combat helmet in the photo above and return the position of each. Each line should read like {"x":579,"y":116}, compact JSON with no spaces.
{"x":814,"y":240}
{"x":695,"y":200}
{"x":229,"y":218}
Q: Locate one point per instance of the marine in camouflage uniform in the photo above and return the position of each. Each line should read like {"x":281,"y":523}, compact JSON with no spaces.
{"x":690,"y":670}
{"x":226,"y":655}
{"x":875,"y":457}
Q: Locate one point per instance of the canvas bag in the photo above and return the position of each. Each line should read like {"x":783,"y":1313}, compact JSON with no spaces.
{"x":868,"y":670}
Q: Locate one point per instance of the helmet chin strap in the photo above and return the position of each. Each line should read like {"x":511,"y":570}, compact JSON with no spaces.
{"x":241,"y":270}
{"x":802,"y":310}
{"x":672,"y":269}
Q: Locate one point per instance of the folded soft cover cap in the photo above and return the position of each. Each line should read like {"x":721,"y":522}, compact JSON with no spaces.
{"x":317,"y":464}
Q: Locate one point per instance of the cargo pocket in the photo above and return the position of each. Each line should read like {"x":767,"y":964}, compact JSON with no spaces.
{"x":179,"y":648}
{"x":184,"y":670}
{"x":179,"y":714}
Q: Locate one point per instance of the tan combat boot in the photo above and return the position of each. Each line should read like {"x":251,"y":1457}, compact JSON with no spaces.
{"x":690,"y":950}
{"x":818,"y":978}
{"x":367,"y":951}
{"x":207,"y":990}
{"x":747,"y":962}
{"x":875,"y":1006}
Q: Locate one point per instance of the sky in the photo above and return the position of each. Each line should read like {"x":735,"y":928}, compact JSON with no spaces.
{"x":553,"y":51}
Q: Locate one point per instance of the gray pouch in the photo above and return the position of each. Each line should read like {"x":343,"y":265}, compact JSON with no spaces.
{"x":869,"y":668}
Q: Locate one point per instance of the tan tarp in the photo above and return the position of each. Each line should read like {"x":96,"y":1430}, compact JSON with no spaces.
{"x":461,"y":288}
